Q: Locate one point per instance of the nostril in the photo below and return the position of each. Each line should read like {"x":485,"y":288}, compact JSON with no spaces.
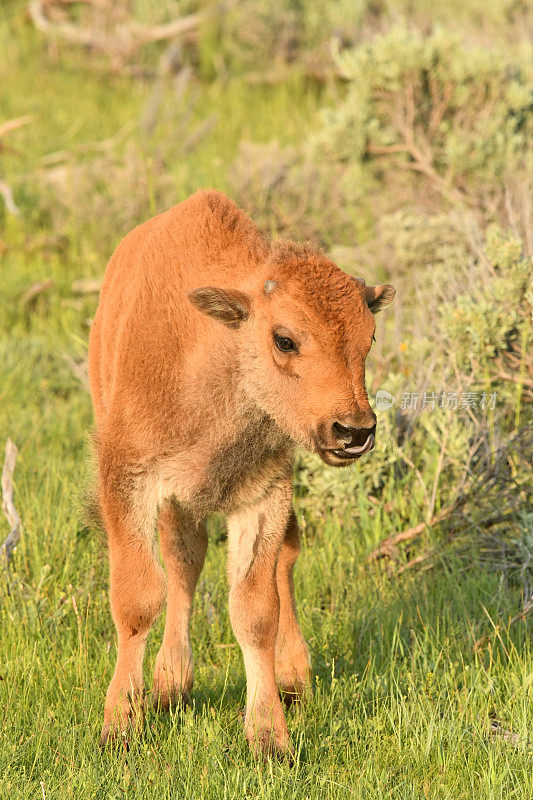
{"x":342,"y":432}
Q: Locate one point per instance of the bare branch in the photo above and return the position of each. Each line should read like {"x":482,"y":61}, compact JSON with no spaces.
{"x":389,"y":545}
{"x":127,"y":40}
{"x":65,"y":30}
{"x":87,"y":286}
{"x":497,"y":730}
{"x":7,"y":195}
{"x":35,"y":290}
{"x":8,"y":505}
{"x":416,"y":561}
{"x":14,"y":124}
{"x":170,"y":30}
{"x":527,"y":609}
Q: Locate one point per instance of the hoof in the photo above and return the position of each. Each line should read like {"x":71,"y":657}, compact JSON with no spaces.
{"x":115,"y":737}
{"x":266,"y":744}
{"x":292,"y":690}
{"x":165,"y":700}
{"x":123,"y":719}
{"x":173,"y":680}
{"x":293,"y":675}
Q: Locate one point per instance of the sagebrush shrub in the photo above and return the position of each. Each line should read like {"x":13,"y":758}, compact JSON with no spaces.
{"x":452,"y":113}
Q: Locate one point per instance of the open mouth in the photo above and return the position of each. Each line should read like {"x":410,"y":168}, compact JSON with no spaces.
{"x":355,"y":451}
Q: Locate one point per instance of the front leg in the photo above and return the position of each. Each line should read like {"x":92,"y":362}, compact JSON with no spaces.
{"x":255,"y":537}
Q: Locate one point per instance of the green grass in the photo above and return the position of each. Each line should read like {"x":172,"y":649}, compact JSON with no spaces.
{"x":402,"y":703}
{"x":401,"y":708}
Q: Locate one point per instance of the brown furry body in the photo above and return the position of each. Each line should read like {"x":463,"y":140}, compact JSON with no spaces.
{"x":198,"y":410}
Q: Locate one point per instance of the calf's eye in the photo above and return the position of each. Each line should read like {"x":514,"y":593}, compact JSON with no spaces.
{"x":284,"y":343}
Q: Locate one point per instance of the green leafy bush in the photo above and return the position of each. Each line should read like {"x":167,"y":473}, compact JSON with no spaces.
{"x":254,"y":37}
{"x":454,"y":114}
{"x":489,"y":326}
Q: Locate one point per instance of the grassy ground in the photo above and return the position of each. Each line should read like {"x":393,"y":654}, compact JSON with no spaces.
{"x":403,"y":705}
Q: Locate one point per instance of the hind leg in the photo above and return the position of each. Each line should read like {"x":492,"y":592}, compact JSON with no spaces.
{"x":293,"y":673}
{"x":137,"y":594}
{"x":183,"y":546}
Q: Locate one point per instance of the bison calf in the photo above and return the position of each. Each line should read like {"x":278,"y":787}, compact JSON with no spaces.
{"x":212,"y":354}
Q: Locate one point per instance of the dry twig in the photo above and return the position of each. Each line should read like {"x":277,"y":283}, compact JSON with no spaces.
{"x":87,"y":286}
{"x":388,"y":546}
{"x":497,"y":730}
{"x":7,"y":195}
{"x":527,"y":609}
{"x":8,"y":505}
{"x":14,"y":124}
{"x":128,"y":37}
{"x":5,"y":189}
{"x":423,"y":557}
{"x":35,"y":290}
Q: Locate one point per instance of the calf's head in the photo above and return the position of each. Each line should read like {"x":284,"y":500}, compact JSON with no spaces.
{"x":301,"y":336}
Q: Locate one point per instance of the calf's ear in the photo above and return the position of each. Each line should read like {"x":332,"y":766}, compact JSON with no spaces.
{"x":228,"y":306}
{"x":377,"y":297}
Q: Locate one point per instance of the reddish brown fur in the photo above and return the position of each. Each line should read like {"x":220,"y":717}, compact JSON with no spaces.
{"x":197,"y":410}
